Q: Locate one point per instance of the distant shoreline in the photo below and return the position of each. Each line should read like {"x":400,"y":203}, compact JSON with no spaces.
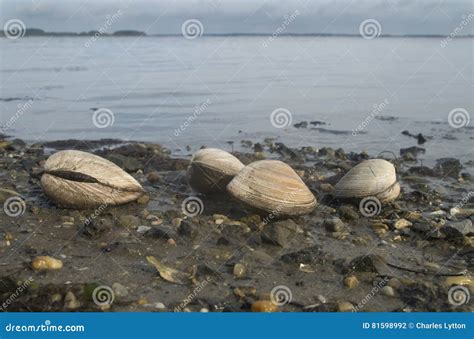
{"x":35,"y":32}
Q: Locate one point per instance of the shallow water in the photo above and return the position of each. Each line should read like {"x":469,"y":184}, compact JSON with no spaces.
{"x":227,"y":87}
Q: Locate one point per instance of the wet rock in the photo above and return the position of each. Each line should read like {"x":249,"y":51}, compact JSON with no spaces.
{"x":458,"y":229}
{"x":448,"y":167}
{"x":401,"y":223}
{"x":239,"y":270}
{"x":144,"y":199}
{"x":307,"y":255}
{"x":153,"y":177}
{"x":333,"y":224}
{"x":187,"y":229}
{"x":161,"y":232}
{"x":421,"y":170}
{"x":44,"y":263}
{"x":302,"y":124}
{"x":422,"y":227}
{"x":71,"y":302}
{"x":351,"y":281}
{"x":280,"y":232}
{"x":94,"y":228}
{"x":129,"y":221}
{"x":388,"y":291}
{"x":345,"y":306}
{"x":370,"y":263}
{"x":129,"y":164}
{"x":264,"y":306}
{"x":415,"y":151}
{"x":348,"y":212}
{"x":120,"y":291}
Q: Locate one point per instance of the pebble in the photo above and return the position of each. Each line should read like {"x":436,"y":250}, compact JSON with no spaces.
{"x":157,"y":222}
{"x":120,"y":291}
{"x":144,"y":199}
{"x":264,"y":306}
{"x":380,"y":228}
{"x":43,"y":263}
{"x":280,"y":232}
{"x":143,"y":229}
{"x":70,"y":301}
{"x":388,"y":291}
{"x":348,"y":212}
{"x":239,"y":270}
{"x":345,"y":306}
{"x":465,"y":280}
{"x":401,"y":223}
{"x":129,"y":221}
{"x":333,"y":224}
{"x":327,"y":188}
{"x":351,"y":281}
{"x":153,"y":177}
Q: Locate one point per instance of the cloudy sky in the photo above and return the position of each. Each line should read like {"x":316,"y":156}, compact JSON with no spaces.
{"x":243,"y":16}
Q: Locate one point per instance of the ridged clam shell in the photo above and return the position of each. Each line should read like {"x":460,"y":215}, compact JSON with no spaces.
{"x":82,"y":180}
{"x":274,"y":187}
{"x":374,"y":177}
{"x":212,"y":169}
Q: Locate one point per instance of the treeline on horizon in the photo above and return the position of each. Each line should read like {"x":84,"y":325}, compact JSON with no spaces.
{"x":31,"y":32}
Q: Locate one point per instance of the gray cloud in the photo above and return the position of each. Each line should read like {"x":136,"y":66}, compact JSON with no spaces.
{"x":242,"y":16}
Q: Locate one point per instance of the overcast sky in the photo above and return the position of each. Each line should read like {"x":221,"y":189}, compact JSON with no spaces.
{"x":243,"y":16}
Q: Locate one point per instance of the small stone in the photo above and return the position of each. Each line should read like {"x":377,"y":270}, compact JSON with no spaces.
{"x":388,"y":291}
{"x":333,"y":224}
{"x":120,"y":291}
{"x":280,"y":232}
{"x":327,"y":188}
{"x":144,"y":199}
{"x":345,"y":306}
{"x":176,"y":222}
{"x":153,"y":177}
{"x":348,"y":212}
{"x":351,"y":281}
{"x":219,"y":221}
{"x":239,"y":270}
{"x":142,"y":301}
{"x":380,"y":228}
{"x":458,"y":229}
{"x":129,"y":221}
{"x":464,"y":280}
{"x":143,"y":229}
{"x":43,"y":263}
{"x":70,"y":301}
{"x":394,"y":283}
{"x":159,"y":306}
{"x":401,"y":223}
{"x":244,"y":291}
{"x":204,"y":310}
{"x":56,"y":298}
{"x":413,"y":216}
{"x":171,"y":242}
{"x":264,"y":306}
{"x":187,"y":229}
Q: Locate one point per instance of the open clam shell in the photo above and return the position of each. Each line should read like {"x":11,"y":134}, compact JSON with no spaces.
{"x":82,"y":180}
{"x":374,"y":177}
{"x":272,"y":186}
{"x":212,"y":169}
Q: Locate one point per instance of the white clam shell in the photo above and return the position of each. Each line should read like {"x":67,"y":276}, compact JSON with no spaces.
{"x":82,"y":180}
{"x":374,"y":177}
{"x":211,"y":169}
{"x":274,"y":187}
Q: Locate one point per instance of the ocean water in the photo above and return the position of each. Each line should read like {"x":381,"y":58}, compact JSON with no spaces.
{"x":214,"y":90}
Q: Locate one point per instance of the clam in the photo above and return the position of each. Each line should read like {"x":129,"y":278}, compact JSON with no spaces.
{"x":82,"y":180}
{"x":212,"y":169}
{"x":272,"y":186}
{"x":375,"y":177}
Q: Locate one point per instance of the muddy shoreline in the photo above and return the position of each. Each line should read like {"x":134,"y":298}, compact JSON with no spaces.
{"x":404,"y":258}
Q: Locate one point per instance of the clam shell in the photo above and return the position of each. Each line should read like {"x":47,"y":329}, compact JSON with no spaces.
{"x":82,"y":180}
{"x":274,"y":187}
{"x":375,"y":177}
{"x":212,"y":169}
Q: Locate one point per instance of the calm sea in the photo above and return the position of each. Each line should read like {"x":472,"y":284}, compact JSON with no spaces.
{"x":360,"y":94}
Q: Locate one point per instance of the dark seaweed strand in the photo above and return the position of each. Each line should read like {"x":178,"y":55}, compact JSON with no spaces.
{"x":427,"y":273}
